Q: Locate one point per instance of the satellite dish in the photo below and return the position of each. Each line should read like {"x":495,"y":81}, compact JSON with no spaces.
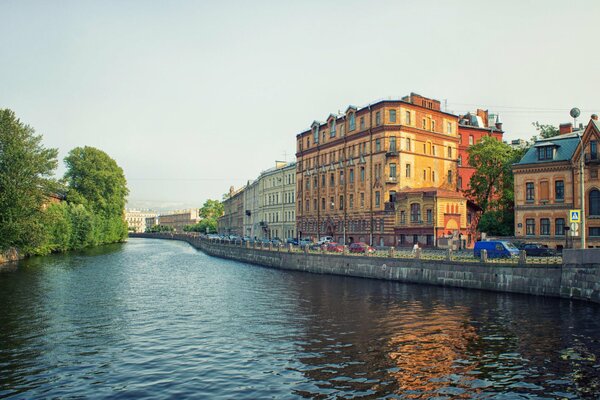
{"x":575,"y":112}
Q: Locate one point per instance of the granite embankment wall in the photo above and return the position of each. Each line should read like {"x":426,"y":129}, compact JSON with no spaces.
{"x":578,"y":277}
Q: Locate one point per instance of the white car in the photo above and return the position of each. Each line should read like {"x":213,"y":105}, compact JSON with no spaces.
{"x":324,"y":240}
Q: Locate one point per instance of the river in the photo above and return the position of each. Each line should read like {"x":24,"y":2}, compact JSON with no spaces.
{"x":159,"y":319}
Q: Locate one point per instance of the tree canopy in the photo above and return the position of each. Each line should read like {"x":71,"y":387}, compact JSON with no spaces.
{"x":491,"y":186}
{"x":210,"y":213}
{"x":26,"y":181}
{"x":545,"y":131}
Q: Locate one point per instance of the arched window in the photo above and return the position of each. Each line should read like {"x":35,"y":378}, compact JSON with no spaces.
{"x":594,"y":202}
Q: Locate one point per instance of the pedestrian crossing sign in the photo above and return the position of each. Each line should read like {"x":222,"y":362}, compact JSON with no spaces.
{"x":574,"y":215}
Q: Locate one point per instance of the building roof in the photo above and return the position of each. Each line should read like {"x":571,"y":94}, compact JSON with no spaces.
{"x":565,"y":144}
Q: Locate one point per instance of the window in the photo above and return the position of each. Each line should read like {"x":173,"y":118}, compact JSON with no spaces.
{"x":323,"y":180}
{"x":433,"y":150}
{"x":341,"y":202}
{"x":314,"y":204}
{"x":449,"y":127}
{"x":449,"y":152}
{"x":415,"y":212}
{"x":433,"y":176}
{"x":392,"y":170}
{"x":307,"y":184}
{"x":469,"y":219}
{"x":460,"y":161}
{"x":424,"y":175}
{"x":407,"y":144}
{"x":362,"y":200}
{"x":331,"y":203}
{"x":594,"y":231}
{"x":332,"y":129}
{"x":392,"y":144}
{"x":433,"y":125}
{"x":407,"y":118}
{"x":429,"y":216}
{"x":424,"y":124}
{"x":377,"y":118}
{"x":316,"y":134}
{"x":377,"y":145}
{"x":559,"y":190}
{"x":362,"y":123}
{"x":351,"y":175}
{"x":323,"y":203}
{"x":593,"y":150}
{"x":449,"y":176}
{"x":362,"y":174}
{"x":529,"y":192}
{"x":470,"y":140}
{"x":545,"y":226}
{"x":377,"y":198}
{"x":351,"y":201}
{"x":545,"y":153}
{"x":352,"y":122}
{"x":594,"y":202}
{"x":408,"y":170}
{"x":460,"y":182}
{"x":559,"y":226}
{"x":331,"y":180}
{"x":392,"y":115}
{"x":402,"y":217}
{"x":530,"y":226}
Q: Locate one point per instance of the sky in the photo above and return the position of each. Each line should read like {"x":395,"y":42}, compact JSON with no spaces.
{"x":192,"y":97}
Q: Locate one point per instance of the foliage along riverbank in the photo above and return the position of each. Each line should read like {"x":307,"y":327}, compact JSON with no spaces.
{"x":40,"y":214}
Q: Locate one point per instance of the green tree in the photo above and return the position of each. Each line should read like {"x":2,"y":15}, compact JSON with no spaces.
{"x":212,"y":209}
{"x":26,"y":179}
{"x":96,"y":182}
{"x":545,"y":131}
{"x":491,"y":186}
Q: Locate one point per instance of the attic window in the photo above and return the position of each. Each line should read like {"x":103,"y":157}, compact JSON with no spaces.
{"x":545,"y":153}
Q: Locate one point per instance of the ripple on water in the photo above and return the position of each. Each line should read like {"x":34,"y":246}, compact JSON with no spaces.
{"x":158,"y":319}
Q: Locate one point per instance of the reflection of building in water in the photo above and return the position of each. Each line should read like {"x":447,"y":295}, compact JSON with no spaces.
{"x":428,"y":350}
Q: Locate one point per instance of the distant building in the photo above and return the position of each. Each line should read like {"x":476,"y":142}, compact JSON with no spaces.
{"x":151,"y":221}
{"x":180,"y":218}
{"x":136,"y":219}
{"x":547,"y":187}
{"x":277,"y":191}
{"x":232,"y":220}
{"x":518,"y":143}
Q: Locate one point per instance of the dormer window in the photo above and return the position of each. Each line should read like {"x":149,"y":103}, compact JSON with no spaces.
{"x":352,"y":122}
{"x":315,"y":132}
{"x":332,"y":128}
{"x":545,"y":153}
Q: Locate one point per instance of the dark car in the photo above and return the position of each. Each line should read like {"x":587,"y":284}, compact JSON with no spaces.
{"x":538,"y":250}
{"x":335,"y":247}
{"x":361,"y":247}
{"x":292,"y":241}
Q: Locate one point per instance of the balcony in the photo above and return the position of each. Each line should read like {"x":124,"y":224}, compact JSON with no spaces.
{"x":592,"y":158}
{"x":391,"y":179}
{"x":389,"y":206}
{"x":391,"y":153}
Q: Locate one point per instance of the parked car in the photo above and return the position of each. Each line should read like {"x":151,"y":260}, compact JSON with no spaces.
{"x":325,"y":240}
{"x":335,"y":247}
{"x":304,"y":242}
{"x":496,"y":249}
{"x":538,"y":250}
{"x":361,"y":247}
{"x":292,"y":241}
{"x":276,"y":242}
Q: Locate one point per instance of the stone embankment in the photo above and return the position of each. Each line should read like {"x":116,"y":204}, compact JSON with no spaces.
{"x":578,"y":277}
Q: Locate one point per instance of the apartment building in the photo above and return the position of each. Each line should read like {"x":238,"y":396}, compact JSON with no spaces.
{"x":136,"y":219}
{"x":180,"y":218}
{"x":277,"y":193}
{"x":351,"y":167}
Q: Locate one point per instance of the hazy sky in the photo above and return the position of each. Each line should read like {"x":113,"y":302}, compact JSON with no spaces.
{"x":190,"y":97}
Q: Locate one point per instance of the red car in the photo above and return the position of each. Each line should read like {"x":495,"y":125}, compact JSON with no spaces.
{"x":361,"y":247}
{"x":335,"y":247}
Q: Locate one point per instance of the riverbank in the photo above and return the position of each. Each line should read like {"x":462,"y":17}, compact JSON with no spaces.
{"x":578,"y":277}
{"x":10,"y":255}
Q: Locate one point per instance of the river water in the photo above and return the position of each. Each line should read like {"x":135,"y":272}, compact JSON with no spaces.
{"x":159,"y":319}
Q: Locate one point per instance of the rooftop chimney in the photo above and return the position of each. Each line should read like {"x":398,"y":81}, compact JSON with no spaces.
{"x":565,"y":128}
{"x":498,"y":123}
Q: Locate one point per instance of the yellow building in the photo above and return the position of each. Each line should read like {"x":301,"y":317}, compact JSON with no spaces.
{"x":351,"y":167}
{"x":180,"y":218}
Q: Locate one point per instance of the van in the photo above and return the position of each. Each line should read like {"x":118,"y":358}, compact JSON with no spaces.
{"x":496,"y":249}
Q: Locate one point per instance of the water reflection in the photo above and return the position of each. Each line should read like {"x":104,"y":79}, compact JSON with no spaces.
{"x":155,"y":319}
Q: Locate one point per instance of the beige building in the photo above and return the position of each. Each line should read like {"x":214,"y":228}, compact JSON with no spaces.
{"x":277,"y":204}
{"x":252,"y":227}
{"x":232,"y":220}
{"x":180,"y":218}
{"x":136,"y":219}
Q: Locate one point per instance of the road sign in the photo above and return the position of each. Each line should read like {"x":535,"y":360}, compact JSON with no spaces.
{"x":574,"y":215}
{"x":574,"y":229}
